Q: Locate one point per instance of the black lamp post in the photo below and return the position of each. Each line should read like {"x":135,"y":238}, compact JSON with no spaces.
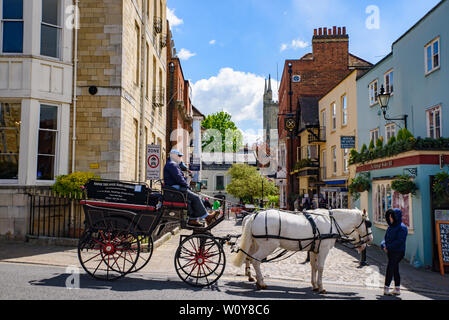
{"x":383,"y":98}
{"x":290,"y":93}
{"x":171,"y":69}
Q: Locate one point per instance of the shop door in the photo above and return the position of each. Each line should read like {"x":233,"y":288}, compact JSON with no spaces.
{"x":436,"y":205}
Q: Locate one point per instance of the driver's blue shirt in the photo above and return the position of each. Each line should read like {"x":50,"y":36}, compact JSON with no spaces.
{"x":173,"y":176}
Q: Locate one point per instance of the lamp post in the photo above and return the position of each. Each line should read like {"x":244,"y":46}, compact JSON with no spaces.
{"x":290,"y":93}
{"x":171,"y":69}
{"x":383,"y":98}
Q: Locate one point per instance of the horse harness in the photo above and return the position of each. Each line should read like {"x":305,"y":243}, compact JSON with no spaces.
{"x":317,"y":236}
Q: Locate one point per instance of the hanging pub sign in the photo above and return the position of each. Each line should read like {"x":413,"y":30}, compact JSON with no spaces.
{"x":290,"y":124}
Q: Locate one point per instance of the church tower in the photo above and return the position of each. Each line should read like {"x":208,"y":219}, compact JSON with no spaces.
{"x":270,"y":112}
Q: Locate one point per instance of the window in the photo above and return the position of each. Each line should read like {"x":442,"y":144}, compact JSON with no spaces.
{"x":390,"y":131}
{"x":432,"y":53}
{"x":373,"y":93}
{"x":51,"y":28}
{"x":324,"y":173}
{"x":344,"y":110}
{"x":323,"y":118}
{"x":334,"y":161}
{"x":137,"y":74}
{"x":374,"y":135}
{"x":47,"y":144}
{"x":334,"y":116}
{"x":204,"y":184}
{"x":345,"y":160}
{"x":385,"y":198}
{"x":9,"y":140}
{"x":388,"y":82}
{"x":434,"y":122}
{"x":12,"y":26}
{"x":220,"y":183}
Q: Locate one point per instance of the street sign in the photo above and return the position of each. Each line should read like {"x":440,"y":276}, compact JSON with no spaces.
{"x":348,"y":142}
{"x":153,"y":162}
{"x":296,"y":78}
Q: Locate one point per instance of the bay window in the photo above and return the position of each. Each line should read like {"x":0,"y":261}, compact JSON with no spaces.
{"x":10,"y":122}
{"x":47,"y":143}
{"x":12,"y":26}
{"x":51,"y":28}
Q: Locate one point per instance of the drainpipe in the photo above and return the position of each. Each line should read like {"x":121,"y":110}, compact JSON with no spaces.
{"x":75,"y":70}
{"x":141,"y":147}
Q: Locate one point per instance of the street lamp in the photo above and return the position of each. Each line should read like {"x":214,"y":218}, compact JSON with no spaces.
{"x":383,"y":98}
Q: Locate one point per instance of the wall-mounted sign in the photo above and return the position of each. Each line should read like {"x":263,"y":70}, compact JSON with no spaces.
{"x":296,"y":78}
{"x":348,"y":142}
{"x":153,"y":162}
{"x":290,"y":124}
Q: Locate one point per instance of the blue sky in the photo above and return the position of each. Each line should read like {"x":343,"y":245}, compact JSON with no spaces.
{"x":229,"y":47}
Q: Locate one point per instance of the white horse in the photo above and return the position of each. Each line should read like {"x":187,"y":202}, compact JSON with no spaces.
{"x":266,"y":231}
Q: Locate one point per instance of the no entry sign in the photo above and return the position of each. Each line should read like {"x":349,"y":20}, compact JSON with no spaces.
{"x":153,"y":162}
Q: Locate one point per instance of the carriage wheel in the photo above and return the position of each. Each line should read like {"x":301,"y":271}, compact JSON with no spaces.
{"x":200,"y":260}
{"x":146,"y":251}
{"x":108,"y":254}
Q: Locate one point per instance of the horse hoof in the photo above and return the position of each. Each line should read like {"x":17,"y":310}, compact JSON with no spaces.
{"x":323,"y":291}
{"x":260,"y":287}
{"x":251,"y":280}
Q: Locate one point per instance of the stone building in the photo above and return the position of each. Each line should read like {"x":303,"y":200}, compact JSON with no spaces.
{"x":121,"y":83}
{"x":270,"y":112}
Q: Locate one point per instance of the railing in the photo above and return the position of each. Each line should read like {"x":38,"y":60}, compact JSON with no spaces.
{"x":317,"y":135}
{"x":158,"y":97}
{"x":55,"y":216}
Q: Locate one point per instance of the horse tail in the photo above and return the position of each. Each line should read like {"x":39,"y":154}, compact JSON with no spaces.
{"x":245,"y":241}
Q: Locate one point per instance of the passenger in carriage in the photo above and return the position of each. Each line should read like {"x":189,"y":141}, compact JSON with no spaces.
{"x":173,"y":177}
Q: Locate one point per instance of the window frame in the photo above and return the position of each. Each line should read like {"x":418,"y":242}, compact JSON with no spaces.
{"x":426,"y":57}
{"x":371,"y":135}
{"x":389,"y":88}
{"x":345,"y":153}
{"x":333,"y":116}
{"x":14,"y":181}
{"x":2,"y":20}
{"x":344,"y":110}
{"x":60,"y":29}
{"x":388,"y":130}
{"x":216,"y":182}
{"x":428,"y":112}
{"x":334,"y":161}
{"x":373,"y":92}
{"x":57,"y":142}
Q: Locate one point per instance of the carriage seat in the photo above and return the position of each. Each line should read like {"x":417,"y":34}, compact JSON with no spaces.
{"x":174,"y":198}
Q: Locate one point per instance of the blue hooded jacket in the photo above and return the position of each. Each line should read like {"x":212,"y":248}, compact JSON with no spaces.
{"x":396,"y":235}
{"x":173,"y":175}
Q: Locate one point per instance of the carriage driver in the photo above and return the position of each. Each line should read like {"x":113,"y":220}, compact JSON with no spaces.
{"x":174,"y":178}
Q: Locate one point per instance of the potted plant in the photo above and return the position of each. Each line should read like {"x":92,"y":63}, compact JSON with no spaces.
{"x":404,"y":184}
{"x":360,"y":184}
{"x":441,"y":186}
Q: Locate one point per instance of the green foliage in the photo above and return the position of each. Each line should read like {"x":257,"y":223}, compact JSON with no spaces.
{"x":273,"y":201}
{"x":364,"y":149}
{"x":404,"y":184}
{"x":380,"y":143}
{"x":230,"y":138}
{"x":70,"y":185}
{"x":371,"y":145}
{"x":303,"y":163}
{"x":246,"y":183}
{"x":441,"y":186}
{"x":361,"y":183}
{"x":391,"y":141}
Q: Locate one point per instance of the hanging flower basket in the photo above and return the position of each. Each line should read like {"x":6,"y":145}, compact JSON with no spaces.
{"x":360,"y":184}
{"x":404,"y":184}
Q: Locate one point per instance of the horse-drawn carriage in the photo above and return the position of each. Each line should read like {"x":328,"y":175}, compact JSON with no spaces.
{"x":121,"y":219}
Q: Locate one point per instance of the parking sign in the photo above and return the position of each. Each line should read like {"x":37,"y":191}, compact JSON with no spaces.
{"x":153,"y":162}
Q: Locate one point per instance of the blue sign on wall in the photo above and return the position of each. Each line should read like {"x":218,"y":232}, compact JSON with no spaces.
{"x":348,"y":142}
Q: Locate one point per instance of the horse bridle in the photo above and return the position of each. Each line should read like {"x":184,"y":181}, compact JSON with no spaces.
{"x":361,"y":242}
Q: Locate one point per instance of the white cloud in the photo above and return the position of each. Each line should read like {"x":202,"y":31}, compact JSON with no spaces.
{"x":237,"y":93}
{"x":173,"y":19}
{"x":212,"y":42}
{"x":185,"y":54}
{"x":295,"y":44}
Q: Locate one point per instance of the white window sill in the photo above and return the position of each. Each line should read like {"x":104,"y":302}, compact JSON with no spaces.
{"x":432,"y":71}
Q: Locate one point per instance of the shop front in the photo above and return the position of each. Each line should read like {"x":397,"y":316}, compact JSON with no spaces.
{"x":417,"y":209}
{"x":335,"y":194}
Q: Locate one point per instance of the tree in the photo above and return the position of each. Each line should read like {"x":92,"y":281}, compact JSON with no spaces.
{"x":221,"y":133}
{"x":246,"y":183}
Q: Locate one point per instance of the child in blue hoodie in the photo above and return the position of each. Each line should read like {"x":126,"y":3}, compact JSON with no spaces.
{"x":394,"y":246}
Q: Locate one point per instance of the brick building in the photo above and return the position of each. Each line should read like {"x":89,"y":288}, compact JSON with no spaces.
{"x":179,"y":104}
{"x":313,"y":75}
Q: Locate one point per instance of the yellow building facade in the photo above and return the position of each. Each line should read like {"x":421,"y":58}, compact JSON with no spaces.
{"x":338,"y":114}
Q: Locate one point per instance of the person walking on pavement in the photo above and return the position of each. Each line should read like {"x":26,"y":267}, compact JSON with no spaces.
{"x":394,"y":245}
{"x":173,"y":177}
